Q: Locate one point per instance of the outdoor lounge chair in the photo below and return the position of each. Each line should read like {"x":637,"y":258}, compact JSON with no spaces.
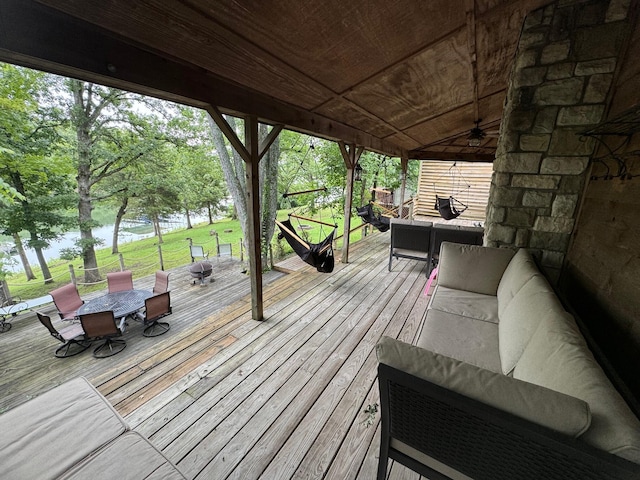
{"x":72,"y":337}
{"x":67,"y":300}
{"x":102,"y":326}
{"x":120,"y":281}
{"x":162,"y":282}
{"x":156,"y":307}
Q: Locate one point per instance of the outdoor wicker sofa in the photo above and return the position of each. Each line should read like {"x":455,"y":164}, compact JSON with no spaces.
{"x":72,"y":432}
{"x":501,"y":383}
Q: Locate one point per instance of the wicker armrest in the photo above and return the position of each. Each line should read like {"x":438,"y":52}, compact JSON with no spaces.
{"x":472,"y":437}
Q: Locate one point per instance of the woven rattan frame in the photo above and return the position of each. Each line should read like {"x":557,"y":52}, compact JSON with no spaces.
{"x":480,"y":441}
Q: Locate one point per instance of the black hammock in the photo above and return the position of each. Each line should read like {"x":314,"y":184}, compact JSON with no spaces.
{"x":367,"y":214}
{"x":447,"y":209}
{"x":318,"y":255}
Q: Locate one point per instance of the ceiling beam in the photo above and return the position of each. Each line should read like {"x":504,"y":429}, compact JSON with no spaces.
{"x":39,"y":37}
{"x":466,"y":157}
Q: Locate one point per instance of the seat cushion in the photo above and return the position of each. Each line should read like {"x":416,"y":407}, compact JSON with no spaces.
{"x":558,"y":358}
{"x":545,"y":407}
{"x":471,"y":267}
{"x":522,"y":316}
{"x":129,"y":456}
{"x":49,"y":434}
{"x":465,"y":304}
{"x":467,"y":339}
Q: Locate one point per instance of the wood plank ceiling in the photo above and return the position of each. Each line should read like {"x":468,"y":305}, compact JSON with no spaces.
{"x":394,"y":75}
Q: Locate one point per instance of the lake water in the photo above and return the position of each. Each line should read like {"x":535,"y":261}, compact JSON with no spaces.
{"x":105,"y":233}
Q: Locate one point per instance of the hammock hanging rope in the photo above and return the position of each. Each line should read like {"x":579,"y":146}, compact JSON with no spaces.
{"x":318,"y":255}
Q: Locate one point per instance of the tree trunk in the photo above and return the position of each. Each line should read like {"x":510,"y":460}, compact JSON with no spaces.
{"x":156,"y":227}
{"x":234,"y":172}
{"x":23,"y":257}
{"x":116,"y":227}
{"x":188,"y":214}
{"x":210,"y":213}
{"x":91,"y":273}
{"x":269,"y":184}
{"x":41,"y":260}
{"x":43,"y":265}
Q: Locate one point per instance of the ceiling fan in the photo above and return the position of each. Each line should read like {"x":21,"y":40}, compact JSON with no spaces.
{"x":477,"y":134}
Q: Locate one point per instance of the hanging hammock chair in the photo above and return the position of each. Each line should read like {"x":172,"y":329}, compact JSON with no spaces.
{"x":447,"y":207}
{"x":367,"y":215}
{"x":318,"y":255}
{"x":450,"y":207}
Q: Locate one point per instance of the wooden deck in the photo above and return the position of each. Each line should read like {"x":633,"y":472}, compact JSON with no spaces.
{"x":224,"y":396}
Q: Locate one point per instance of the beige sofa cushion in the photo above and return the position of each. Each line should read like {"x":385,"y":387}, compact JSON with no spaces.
{"x":519,"y":320}
{"x":472,"y":341}
{"x":143,"y":462}
{"x":466,"y":304}
{"x":49,"y":434}
{"x":551,"y":409}
{"x":520,"y":270}
{"x":471,"y":267}
{"x":557,"y":357}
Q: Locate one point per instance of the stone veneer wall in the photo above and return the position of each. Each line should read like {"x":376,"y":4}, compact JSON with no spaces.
{"x":559,"y":87}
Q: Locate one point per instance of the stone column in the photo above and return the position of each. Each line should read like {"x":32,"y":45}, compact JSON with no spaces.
{"x":559,"y":87}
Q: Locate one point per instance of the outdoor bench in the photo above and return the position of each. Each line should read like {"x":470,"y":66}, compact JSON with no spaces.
{"x":501,"y":383}
{"x":72,"y":432}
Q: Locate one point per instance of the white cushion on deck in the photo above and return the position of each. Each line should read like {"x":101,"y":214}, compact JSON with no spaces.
{"x":49,"y":434}
{"x":472,"y":341}
{"x":558,"y":357}
{"x":543,"y":406}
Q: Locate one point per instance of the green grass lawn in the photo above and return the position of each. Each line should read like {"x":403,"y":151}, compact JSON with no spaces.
{"x":142,"y":256}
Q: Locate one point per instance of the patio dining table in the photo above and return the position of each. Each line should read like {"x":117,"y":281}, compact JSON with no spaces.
{"x":122,"y":304}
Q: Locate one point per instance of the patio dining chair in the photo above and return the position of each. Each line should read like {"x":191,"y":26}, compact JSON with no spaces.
{"x":67,"y":301}
{"x":72,"y":337}
{"x":102,"y":326}
{"x":120,"y":281}
{"x":162,"y":282}
{"x":156,"y":307}
{"x":198,"y":252}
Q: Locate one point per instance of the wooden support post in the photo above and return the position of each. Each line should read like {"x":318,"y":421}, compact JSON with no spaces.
{"x":351,"y":155}
{"x":253,"y":214}
{"x":404,"y":162}
{"x":251,"y":152}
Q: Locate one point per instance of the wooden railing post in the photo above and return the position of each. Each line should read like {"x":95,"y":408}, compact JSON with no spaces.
{"x":72,"y":273}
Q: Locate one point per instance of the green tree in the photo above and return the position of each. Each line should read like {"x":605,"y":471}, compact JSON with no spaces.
{"x":102,"y":118}
{"x":234,"y":171}
{"x":29,"y":164}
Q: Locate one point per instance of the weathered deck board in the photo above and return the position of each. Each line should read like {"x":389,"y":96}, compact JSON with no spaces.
{"x":225,"y":396}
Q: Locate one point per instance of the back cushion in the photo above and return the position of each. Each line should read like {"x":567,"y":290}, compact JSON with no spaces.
{"x":558,"y":358}
{"x":472,"y":268}
{"x":519,"y":320}
{"x":519,"y":271}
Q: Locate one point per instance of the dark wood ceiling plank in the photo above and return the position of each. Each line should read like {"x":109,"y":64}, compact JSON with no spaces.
{"x":340,"y":43}
{"x":467,"y":157}
{"x":434,"y":81}
{"x":182,"y":32}
{"x":30,"y":35}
